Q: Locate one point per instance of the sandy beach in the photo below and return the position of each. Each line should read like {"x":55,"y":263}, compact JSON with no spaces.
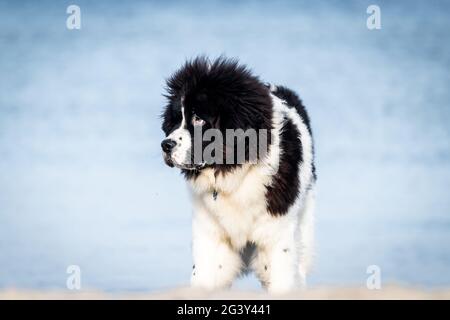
{"x":330,"y":293}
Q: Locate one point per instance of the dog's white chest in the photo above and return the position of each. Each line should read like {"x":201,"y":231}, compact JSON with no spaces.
{"x":236,"y":201}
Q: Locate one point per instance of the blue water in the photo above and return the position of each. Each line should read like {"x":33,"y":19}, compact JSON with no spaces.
{"x":81,"y":176}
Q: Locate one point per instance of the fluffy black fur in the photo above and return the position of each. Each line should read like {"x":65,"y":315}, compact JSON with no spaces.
{"x":223,"y":93}
{"x":283,"y":191}
{"x":293,"y":101}
{"x":227,"y":96}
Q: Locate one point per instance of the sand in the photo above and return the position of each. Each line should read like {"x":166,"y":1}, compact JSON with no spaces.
{"x":388,"y":292}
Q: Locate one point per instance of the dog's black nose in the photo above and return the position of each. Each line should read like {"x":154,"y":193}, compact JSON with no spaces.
{"x":168,"y":144}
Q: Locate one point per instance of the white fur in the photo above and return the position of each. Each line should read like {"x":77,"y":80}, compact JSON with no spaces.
{"x":223,"y":226}
{"x":181,"y":152}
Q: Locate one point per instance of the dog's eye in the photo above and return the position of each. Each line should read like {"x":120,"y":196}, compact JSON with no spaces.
{"x":197,"y":121}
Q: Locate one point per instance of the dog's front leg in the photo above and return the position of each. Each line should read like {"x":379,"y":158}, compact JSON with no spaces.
{"x":216,"y":264}
{"x":277,"y":260}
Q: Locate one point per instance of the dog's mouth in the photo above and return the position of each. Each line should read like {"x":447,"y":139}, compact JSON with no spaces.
{"x":168,"y":161}
{"x":190,"y":166}
{"x":171,"y":163}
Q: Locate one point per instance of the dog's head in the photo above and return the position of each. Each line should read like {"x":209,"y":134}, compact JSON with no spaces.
{"x":206,"y":101}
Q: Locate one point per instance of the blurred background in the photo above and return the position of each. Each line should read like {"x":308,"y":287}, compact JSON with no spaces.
{"x":82,"y":181}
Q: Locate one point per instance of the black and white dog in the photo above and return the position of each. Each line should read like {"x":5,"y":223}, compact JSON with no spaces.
{"x":265,"y":202}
